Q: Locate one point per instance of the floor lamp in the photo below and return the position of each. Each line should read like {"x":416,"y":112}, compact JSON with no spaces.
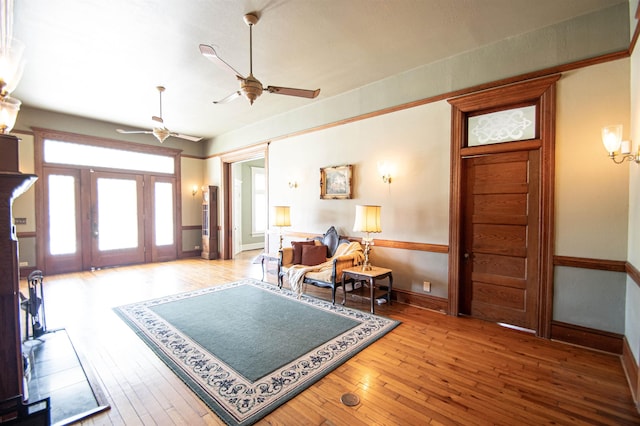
{"x":368,"y":221}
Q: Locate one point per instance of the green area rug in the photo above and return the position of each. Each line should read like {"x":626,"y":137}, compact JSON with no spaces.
{"x":247,"y":347}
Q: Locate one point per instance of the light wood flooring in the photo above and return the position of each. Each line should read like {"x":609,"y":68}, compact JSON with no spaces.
{"x":432,"y":369}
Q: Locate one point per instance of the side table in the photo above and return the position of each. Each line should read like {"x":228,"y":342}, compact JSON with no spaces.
{"x":266,"y":258}
{"x":371,"y":276}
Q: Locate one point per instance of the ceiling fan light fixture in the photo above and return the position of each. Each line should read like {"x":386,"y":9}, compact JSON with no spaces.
{"x":251,"y":88}
{"x":161,"y":133}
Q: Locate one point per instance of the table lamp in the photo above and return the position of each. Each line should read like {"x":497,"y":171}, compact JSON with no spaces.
{"x":281,"y":218}
{"x":367,"y":220}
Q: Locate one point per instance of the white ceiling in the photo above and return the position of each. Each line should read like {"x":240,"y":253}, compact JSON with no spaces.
{"x":103,"y":59}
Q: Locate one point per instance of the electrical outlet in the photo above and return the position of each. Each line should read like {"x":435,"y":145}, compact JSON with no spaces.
{"x":196,"y":248}
{"x":426,"y":286}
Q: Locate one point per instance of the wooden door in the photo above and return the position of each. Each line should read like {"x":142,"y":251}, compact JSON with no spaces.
{"x":500,"y":238}
{"x":502,"y":200}
{"x":117,"y":226}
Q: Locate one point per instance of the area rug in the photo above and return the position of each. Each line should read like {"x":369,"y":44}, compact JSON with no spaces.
{"x":247,"y":347}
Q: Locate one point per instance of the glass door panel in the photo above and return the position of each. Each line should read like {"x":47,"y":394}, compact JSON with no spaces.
{"x":117,"y":227}
{"x":63,"y":245}
{"x":62,"y":215}
{"x":163,"y":229}
{"x":163,"y":213}
{"x":117,"y":219}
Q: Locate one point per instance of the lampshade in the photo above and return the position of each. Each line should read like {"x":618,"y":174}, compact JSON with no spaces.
{"x":11,"y":66}
{"x":367,"y":219}
{"x":9,"y":108}
{"x":612,"y":137}
{"x":281,"y":216}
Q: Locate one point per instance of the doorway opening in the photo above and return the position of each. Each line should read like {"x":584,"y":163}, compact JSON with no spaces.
{"x":245,"y":200}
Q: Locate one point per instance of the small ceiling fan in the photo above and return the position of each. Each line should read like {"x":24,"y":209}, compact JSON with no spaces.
{"x":250,"y":86}
{"x":161,"y":132}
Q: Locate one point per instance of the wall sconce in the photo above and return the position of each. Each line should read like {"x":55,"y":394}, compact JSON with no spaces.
{"x":386,"y":171}
{"x":293,"y":184}
{"x":612,"y":140}
{"x":367,"y":220}
{"x":194,"y":190}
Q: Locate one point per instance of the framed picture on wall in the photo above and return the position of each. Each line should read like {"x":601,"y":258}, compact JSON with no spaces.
{"x":335,"y":182}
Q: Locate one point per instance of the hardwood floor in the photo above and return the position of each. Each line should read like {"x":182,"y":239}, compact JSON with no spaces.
{"x":432,"y":369}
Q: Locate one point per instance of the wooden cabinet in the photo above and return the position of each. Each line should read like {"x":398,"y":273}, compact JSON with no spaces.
{"x":210,"y":223}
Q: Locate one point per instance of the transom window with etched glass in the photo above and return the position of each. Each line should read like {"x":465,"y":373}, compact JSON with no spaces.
{"x":510,"y":125}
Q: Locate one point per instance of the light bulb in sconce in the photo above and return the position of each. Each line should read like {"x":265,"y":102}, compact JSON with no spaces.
{"x":194,"y":190}
{"x":386,"y":171}
{"x":612,"y":138}
{"x":612,"y":141}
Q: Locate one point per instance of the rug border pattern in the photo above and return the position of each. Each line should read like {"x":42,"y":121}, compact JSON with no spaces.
{"x":235,"y":399}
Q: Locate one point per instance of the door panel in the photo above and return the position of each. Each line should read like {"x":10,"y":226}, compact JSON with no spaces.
{"x":117,"y":219}
{"x":163,"y":230}
{"x":500,"y":238}
{"x":63,"y":244}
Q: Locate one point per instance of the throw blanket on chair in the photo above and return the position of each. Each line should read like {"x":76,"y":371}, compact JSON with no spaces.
{"x":296,"y":273}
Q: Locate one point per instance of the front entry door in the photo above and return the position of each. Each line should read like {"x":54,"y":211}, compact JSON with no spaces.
{"x":500,"y":238}
{"x":117,"y":226}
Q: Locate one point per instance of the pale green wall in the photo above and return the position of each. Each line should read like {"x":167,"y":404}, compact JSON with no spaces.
{"x":591,"y":191}
{"x":415,"y":207}
{"x":632,"y":310}
{"x":33,"y":117}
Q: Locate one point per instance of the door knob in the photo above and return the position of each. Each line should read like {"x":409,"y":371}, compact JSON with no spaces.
{"x":466,"y":255}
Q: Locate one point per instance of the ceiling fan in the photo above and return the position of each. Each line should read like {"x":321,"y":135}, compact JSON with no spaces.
{"x":250,"y":86}
{"x":161,"y":132}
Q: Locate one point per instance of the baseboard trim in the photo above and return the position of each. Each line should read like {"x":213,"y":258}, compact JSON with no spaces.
{"x":420,"y":300}
{"x":630,"y":367}
{"x":587,"y":337}
{"x":190,"y":253}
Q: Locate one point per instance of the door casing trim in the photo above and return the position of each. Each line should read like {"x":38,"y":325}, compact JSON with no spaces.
{"x":543,"y":92}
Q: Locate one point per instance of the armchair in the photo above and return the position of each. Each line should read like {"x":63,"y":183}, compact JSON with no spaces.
{"x":327,"y":272}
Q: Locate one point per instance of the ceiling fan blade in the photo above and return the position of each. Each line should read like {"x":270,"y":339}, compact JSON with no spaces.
{"x":210,"y":53}
{"x":133,"y":131}
{"x":302,"y":93}
{"x":187,"y":137}
{"x":229,"y":98}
